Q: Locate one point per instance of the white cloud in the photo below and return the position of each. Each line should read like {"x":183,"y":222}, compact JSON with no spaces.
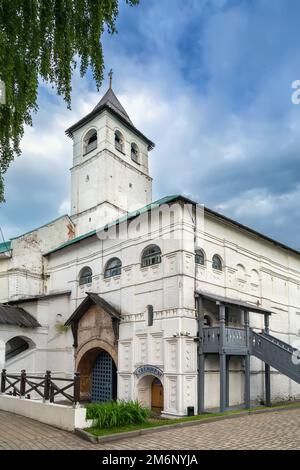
{"x":64,"y":207}
{"x":208,"y":87}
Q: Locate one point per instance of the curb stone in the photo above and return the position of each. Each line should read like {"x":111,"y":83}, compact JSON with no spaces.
{"x":140,"y":432}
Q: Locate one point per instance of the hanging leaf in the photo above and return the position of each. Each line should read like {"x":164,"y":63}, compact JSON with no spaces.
{"x":44,"y":40}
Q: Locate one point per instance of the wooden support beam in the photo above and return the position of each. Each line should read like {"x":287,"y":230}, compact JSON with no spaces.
{"x":268,"y":401}
{"x":201,"y":357}
{"x":222,"y":312}
{"x":222,"y":382}
{"x":247,"y":360}
{"x":267,"y":369}
{"x":201,"y":384}
{"x":227,"y":381}
{"x":247,"y":382}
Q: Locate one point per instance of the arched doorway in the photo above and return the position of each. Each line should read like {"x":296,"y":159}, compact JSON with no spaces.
{"x":157,"y":396}
{"x":98,"y":374}
{"x":150,"y":393}
{"x":104,"y":379}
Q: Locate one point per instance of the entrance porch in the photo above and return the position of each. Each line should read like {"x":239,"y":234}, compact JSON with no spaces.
{"x":95,"y":327}
{"x":218,"y":336}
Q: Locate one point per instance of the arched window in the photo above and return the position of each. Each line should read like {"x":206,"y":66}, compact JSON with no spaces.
{"x":134,"y":153}
{"x":85,"y":276}
{"x":90,"y":141}
{"x":207,"y":320}
{"x":113,"y":268}
{"x":150,"y":315}
{"x":16,"y":346}
{"x":241,"y":272}
{"x":217,"y":263}
{"x":119,"y":141}
{"x":151,"y":255}
{"x":200,"y":257}
{"x":254,"y":277}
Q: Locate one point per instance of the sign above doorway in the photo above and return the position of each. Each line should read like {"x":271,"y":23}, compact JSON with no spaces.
{"x":148,"y":370}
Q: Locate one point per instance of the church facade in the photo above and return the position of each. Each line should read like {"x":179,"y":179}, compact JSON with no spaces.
{"x":165,"y":302}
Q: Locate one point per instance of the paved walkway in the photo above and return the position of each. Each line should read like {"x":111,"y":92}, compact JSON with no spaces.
{"x":275,"y":430}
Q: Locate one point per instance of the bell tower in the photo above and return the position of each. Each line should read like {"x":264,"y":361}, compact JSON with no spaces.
{"x":110,"y":173}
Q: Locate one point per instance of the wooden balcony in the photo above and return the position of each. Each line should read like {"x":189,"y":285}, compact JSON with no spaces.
{"x":235,"y":341}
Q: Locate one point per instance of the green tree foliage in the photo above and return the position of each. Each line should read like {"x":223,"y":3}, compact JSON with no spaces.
{"x":44,"y":40}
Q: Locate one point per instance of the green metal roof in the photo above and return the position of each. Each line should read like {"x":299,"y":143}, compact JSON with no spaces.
{"x":129,"y":216}
{"x":166,"y":200}
{"x":5,"y":246}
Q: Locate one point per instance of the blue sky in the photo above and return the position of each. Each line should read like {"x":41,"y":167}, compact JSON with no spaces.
{"x":210,"y":82}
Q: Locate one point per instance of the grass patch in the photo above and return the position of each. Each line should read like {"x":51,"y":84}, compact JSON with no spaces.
{"x":151,"y":423}
{"x":116,"y":414}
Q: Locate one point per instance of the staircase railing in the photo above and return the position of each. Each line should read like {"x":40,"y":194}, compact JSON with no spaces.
{"x":276,"y":353}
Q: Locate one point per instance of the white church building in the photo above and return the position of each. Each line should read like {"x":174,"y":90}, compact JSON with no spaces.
{"x":165,"y":302}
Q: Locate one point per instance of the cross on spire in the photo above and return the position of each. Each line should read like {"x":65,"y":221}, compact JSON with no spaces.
{"x":110,"y":77}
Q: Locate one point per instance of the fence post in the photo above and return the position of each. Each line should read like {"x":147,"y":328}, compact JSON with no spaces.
{"x":76,"y":388}
{"x":23,"y":383}
{"x":51,"y":392}
{"x":3,"y":380}
{"x":47,"y":386}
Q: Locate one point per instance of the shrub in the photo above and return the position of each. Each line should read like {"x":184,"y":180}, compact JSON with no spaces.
{"x":116,"y":413}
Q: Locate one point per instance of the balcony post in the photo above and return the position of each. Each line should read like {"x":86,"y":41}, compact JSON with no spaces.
{"x":47,"y":386}
{"x":267,"y":368}
{"x":223,"y":386}
{"x":227,"y":380}
{"x":247,"y":360}
{"x":201,"y":357}
{"x":76,"y":389}
{"x":23,"y":383}
{"x":3,"y":380}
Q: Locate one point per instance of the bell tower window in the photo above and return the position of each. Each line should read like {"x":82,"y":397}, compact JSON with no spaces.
{"x":134,"y":153}
{"x":119,"y":141}
{"x":90,"y":141}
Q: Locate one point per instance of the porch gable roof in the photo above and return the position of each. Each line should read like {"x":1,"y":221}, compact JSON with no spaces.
{"x":236,"y":302}
{"x":91,"y":299}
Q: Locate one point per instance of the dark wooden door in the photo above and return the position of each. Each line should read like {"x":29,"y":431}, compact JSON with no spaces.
{"x":157,"y":401}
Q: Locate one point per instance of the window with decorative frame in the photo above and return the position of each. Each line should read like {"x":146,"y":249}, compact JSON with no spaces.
{"x":151,"y":255}
{"x":200,"y":257}
{"x":85,"y":276}
{"x":217,"y":263}
{"x":113,"y":268}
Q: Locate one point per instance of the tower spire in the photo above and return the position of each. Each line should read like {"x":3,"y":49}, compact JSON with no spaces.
{"x":110,"y":78}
